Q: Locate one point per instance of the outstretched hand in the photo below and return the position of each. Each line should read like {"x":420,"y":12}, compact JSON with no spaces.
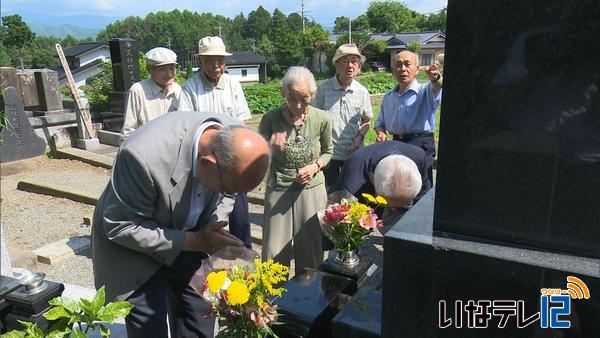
{"x":433,"y":70}
{"x":278,"y":140}
{"x":210,"y":238}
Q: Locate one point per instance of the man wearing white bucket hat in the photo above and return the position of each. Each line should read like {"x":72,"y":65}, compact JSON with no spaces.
{"x":153,"y":97}
{"x":349,"y":106}
{"x":212,"y":90}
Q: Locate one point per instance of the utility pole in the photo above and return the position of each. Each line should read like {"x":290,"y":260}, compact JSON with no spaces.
{"x":349,"y":30}
{"x":169,"y":43}
{"x":219,"y":27}
{"x":302,"y":10}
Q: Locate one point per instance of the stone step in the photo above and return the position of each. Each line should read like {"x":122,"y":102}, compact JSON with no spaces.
{"x":86,"y":157}
{"x":59,"y":251}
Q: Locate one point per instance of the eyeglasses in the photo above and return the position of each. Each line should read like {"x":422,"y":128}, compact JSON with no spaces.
{"x":226,"y":194}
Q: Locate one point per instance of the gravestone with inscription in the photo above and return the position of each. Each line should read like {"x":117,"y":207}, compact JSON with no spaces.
{"x":28,"y":87}
{"x":507,"y":243}
{"x":19,"y":140}
{"x":8,"y":78}
{"x":48,"y":91}
{"x":124,"y":54}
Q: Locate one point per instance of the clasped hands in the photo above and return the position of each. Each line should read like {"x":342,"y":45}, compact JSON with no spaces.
{"x":210,"y":238}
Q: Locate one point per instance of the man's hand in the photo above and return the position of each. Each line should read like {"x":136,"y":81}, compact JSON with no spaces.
{"x":278,"y":140}
{"x":381,"y":135}
{"x":306,"y":173}
{"x":358,"y":141}
{"x":433,"y":71}
{"x":210,"y":238}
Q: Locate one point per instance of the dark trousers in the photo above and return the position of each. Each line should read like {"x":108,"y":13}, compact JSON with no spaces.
{"x":239,"y":219}
{"x":424,"y":141}
{"x":168,"y":291}
{"x":332,"y":171}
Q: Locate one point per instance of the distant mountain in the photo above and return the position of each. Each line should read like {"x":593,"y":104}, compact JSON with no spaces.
{"x":86,"y":21}
{"x":60,"y":31}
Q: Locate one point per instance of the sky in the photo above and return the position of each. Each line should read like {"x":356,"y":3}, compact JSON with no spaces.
{"x":322,"y":11}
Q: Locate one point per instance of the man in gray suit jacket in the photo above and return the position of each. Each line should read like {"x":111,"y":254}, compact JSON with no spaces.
{"x":160,"y":215}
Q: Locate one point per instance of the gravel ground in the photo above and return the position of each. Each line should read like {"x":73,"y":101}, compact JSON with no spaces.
{"x":31,"y":220}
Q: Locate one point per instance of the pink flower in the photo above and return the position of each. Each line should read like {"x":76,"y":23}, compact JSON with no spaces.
{"x":369,"y":221}
{"x":255,"y":316}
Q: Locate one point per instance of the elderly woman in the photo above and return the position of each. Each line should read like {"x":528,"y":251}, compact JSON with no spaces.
{"x":300,"y":136}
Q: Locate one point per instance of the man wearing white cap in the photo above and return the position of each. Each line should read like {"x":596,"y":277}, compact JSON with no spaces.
{"x":349,"y":107}
{"x":211,"y":90}
{"x":153,"y":97}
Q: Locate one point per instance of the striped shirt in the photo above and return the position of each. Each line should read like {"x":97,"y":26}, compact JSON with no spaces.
{"x":345,"y":107}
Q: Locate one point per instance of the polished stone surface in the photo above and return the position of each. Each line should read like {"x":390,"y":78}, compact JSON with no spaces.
{"x":309,"y":304}
{"x":361,"y":316}
{"x":124,"y":55}
{"x":424,"y":266}
{"x":357,"y":273}
{"x":519,"y":154}
{"x":19,"y":140}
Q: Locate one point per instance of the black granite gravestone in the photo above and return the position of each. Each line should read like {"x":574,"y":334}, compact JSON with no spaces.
{"x":19,"y":140}
{"x":48,"y":90}
{"x":527,"y":109}
{"x":519,"y":164}
{"x":124,"y":54}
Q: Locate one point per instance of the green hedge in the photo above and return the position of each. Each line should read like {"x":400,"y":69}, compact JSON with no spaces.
{"x":378,"y":83}
{"x":263,"y":97}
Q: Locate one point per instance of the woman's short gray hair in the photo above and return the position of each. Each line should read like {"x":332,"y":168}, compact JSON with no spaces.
{"x":397,"y":176}
{"x":298,"y":74}
{"x":223,"y":147}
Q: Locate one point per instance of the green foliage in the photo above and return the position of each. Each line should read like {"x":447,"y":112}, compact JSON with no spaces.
{"x":378,"y":83}
{"x":189,"y":71}
{"x":15,"y":33}
{"x":433,"y":21}
{"x":392,"y":16}
{"x":100,"y":86}
{"x":414,"y":46}
{"x":263,"y":97}
{"x":76,"y":318}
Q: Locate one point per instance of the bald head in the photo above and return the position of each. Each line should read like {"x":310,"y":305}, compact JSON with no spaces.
{"x":253,"y":154}
{"x":405,"y":69}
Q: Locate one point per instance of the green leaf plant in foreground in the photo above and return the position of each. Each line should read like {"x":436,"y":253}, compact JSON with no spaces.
{"x":75,"y":319}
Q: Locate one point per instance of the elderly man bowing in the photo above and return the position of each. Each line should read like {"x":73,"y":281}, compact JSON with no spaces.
{"x":211,"y":90}
{"x":348,"y":104}
{"x":158,"y":218}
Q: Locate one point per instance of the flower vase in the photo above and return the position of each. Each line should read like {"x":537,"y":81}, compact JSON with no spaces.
{"x":347,"y":258}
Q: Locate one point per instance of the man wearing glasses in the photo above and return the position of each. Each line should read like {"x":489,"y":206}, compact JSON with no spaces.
{"x":212,"y":90}
{"x":349,"y":106}
{"x":161,"y":214}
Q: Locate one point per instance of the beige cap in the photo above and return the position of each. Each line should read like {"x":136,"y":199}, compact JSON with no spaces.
{"x":347,"y":49}
{"x":212,"y":45}
{"x":160,"y":56}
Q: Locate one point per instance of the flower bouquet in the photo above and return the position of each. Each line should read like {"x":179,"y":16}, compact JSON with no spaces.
{"x":242,"y":299}
{"x":347,"y":225}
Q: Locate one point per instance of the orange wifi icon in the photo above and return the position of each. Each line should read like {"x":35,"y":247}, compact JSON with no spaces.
{"x":577,"y":288}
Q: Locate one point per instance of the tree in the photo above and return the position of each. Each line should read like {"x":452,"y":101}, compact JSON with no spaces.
{"x":392,"y":16}
{"x":434,"y":21}
{"x":294,"y":22}
{"x":258,"y":23}
{"x":414,"y":46}
{"x":361,"y":23}
{"x":341,"y":24}
{"x":16,"y":34}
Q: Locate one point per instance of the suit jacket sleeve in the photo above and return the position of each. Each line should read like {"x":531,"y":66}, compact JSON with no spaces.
{"x":128,"y":216}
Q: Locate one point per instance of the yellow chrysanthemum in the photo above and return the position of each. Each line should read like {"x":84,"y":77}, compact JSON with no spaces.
{"x":381,"y":200}
{"x":237,"y":293}
{"x":369,"y":198}
{"x":215,"y":280}
{"x":356,"y":212}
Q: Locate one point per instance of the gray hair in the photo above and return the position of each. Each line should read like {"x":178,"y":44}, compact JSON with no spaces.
{"x":397,"y":176}
{"x":298,"y":74}
{"x":223,"y":147}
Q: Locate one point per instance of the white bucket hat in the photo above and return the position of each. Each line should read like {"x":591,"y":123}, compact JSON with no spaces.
{"x":347,"y":49}
{"x":212,"y":45}
{"x":160,"y":56}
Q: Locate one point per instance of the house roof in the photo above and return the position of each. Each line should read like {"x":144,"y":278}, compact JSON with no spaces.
{"x":83,"y":48}
{"x":244,"y":58}
{"x":400,"y":39}
{"x":61,"y":71}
